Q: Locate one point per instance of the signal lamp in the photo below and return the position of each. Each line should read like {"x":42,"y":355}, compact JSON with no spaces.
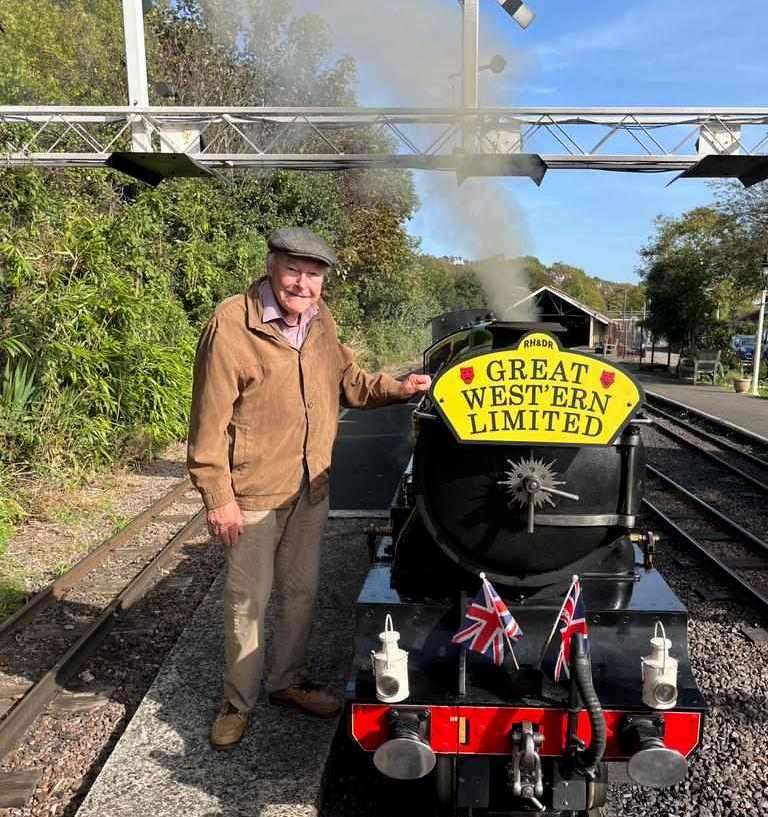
{"x":659,"y":672}
{"x":518,"y":11}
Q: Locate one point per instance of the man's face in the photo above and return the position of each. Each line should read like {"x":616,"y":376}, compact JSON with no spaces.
{"x":297,"y":282}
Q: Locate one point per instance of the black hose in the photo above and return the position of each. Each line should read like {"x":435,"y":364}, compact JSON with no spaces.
{"x":582,"y":672}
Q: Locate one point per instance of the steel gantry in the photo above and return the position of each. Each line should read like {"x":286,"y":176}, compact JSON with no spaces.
{"x":155,"y":142}
{"x":502,"y":141}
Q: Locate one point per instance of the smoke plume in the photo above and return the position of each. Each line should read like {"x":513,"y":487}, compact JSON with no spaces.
{"x":408,"y":54}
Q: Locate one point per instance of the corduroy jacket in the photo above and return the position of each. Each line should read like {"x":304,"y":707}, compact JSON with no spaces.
{"x":263,"y":411}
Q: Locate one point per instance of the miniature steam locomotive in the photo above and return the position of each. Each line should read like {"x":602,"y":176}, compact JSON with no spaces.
{"x":527,"y":467}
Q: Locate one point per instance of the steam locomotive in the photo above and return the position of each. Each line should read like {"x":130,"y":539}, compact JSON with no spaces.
{"x":527,"y":468}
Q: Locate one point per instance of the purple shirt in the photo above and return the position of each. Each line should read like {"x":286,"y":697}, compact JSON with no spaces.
{"x":295,"y":333}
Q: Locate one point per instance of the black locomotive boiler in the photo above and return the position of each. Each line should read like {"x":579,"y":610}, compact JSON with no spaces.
{"x":527,"y":467}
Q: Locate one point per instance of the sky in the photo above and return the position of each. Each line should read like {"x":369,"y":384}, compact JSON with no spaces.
{"x":599,"y":53}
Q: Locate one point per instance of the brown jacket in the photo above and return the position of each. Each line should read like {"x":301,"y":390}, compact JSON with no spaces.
{"x":262,"y":409}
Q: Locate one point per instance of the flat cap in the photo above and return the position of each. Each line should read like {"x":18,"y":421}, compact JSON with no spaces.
{"x":302,"y":242}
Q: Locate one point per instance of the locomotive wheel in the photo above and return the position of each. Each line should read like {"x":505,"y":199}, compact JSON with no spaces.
{"x":445,"y":785}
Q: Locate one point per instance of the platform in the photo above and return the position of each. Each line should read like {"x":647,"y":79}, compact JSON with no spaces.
{"x":742,"y":410}
{"x":163,"y":765}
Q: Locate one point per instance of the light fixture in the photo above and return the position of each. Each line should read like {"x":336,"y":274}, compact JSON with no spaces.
{"x":495,"y":66}
{"x":659,"y":672}
{"x":519,"y":12}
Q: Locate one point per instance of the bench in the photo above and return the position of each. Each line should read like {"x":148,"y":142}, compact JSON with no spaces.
{"x":702,"y":364}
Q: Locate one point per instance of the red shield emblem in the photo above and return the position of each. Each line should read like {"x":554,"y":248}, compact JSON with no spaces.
{"x":607,"y":378}
{"x":467,"y":374}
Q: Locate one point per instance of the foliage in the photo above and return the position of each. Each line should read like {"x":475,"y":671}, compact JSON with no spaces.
{"x":104,"y":283}
{"x":697,"y":270}
{"x":62,"y":53}
{"x":577,"y":283}
{"x":11,"y":585}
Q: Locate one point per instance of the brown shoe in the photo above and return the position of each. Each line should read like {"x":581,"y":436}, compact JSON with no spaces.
{"x":229,"y":726}
{"x":307,"y":698}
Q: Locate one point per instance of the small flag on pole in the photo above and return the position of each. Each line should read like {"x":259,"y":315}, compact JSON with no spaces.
{"x":571,"y":620}
{"x":488,"y":624}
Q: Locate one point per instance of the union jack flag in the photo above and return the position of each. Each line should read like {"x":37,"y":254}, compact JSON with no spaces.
{"x":487,"y":622}
{"x":572,"y":619}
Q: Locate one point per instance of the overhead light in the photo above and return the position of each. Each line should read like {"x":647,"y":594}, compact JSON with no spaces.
{"x":496,"y":65}
{"x":519,"y":12}
{"x":152,"y":168}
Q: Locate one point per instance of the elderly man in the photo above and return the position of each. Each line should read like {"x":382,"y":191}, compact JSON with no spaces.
{"x":270,"y":374}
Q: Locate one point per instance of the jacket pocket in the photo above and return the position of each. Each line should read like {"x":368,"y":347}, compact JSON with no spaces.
{"x":240,"y":446}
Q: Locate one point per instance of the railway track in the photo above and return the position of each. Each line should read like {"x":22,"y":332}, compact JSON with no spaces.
{"x":49,"y":640}
{"x":711,"y":476}
{"x":723,"y":543}
{"x":723,"y":433}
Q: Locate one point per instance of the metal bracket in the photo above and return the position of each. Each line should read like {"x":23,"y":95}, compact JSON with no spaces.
{"x":647,"y":542}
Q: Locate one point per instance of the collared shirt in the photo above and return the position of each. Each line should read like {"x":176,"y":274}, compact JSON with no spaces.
{"x":293,"y":333}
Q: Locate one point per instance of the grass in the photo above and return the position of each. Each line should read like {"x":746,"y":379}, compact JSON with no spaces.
{"x":10,"y":513}
{"x":12,"y":590}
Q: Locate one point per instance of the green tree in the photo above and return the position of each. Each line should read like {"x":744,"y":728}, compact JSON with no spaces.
{"x":747,"y":208}
{"x":62,"y":53}
{"x":577,"y":283}
{"x":691,"y":269}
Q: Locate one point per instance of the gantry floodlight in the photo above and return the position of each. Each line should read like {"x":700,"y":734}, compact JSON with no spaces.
{"x":495,"y":66}
{"x":519,"y":12}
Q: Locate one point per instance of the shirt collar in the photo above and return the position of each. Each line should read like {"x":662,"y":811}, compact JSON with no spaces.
{"x":271,"y":310}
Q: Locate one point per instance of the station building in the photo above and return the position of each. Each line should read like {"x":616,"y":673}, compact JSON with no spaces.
{"x":585,"y":326}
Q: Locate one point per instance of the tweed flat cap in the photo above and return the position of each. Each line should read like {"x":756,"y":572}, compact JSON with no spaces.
{"x":302,"y":242}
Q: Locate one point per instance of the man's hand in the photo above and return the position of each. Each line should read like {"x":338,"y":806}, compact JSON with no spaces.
{"x":226,"y":523}
{"x":414,"y":384}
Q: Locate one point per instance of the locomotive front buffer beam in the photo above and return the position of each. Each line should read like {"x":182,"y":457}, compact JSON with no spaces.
{"x":512,"y":741}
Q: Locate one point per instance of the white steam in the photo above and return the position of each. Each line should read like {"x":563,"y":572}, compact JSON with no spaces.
{"x":408,"y":54}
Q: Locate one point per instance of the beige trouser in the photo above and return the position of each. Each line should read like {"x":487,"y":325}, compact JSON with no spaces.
{"x":279,"y":548}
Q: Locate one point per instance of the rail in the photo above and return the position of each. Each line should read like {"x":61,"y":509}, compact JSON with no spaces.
{"x":733,"y":550}
{"x":36,"y":698}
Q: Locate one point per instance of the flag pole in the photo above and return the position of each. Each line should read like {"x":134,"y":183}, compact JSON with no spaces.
{"x":512,"y":650}
{"x":509,"y":642}
{"x":574,"y":579}
{"x":462,"y":651}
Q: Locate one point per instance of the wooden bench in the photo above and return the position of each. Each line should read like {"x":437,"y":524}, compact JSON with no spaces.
{"x":705,"y":363}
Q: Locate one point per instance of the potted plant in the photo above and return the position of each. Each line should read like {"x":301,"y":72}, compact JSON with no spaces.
{"x":741,"y":384}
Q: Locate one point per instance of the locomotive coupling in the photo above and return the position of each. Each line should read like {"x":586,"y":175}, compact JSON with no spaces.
{"x":524,"y":773}
{"x":406,"y":755}
{"x":652,"y":762}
